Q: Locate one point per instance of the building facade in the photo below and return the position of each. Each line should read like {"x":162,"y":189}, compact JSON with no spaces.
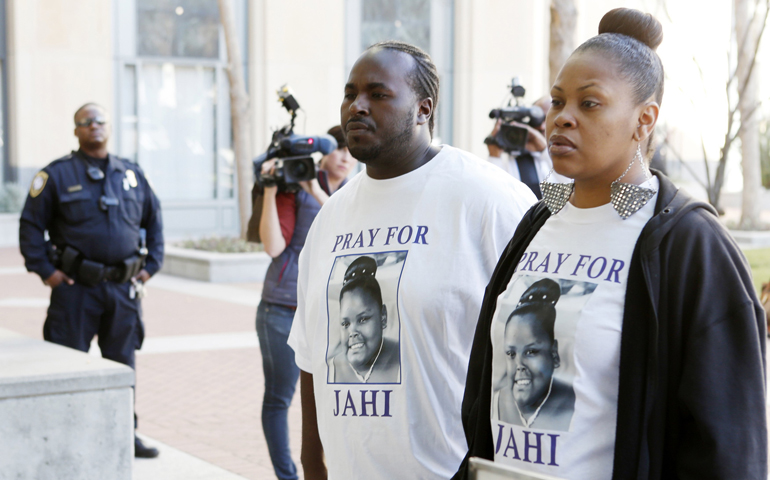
{"x":160,"y":69}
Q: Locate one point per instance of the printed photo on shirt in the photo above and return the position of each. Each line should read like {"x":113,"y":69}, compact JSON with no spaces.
{"x":364,"y":324}
{"x":533,"y":335}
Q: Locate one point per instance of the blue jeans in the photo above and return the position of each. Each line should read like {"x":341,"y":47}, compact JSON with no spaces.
{"x":281,"y":373}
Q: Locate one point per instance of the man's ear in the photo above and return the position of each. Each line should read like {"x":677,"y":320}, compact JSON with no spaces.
{"x":384,"y":317}
{"x":646,"y":121}
{"x":424,"y":111}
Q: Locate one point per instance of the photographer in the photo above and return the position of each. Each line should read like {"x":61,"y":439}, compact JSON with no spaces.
{"x":532,"y":165}
{"x":283,"y":226}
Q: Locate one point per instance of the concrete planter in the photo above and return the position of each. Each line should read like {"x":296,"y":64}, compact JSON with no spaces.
{"x":9,"y":229}
{"x":63,"y":413}
{"x":215,"y":267}
{"x":751,"y":238}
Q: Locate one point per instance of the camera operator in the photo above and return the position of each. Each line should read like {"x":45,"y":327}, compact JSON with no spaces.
{"x":532,"y":165}
{"x":283,"y":226}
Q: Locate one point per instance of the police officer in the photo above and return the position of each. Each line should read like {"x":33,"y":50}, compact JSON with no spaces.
{"x":106,"y":240}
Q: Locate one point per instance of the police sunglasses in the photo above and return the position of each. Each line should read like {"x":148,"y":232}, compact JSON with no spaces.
{"x":87,"y":122}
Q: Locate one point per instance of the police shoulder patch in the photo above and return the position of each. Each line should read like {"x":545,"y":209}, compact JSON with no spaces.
{"x":38,"y":184}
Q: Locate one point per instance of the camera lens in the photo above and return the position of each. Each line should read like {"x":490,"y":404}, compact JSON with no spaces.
{"x":299,"y":169}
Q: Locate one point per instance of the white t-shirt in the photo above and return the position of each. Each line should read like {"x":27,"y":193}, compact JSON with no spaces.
{"x":556,"y":344}
{"x":389,"y":361}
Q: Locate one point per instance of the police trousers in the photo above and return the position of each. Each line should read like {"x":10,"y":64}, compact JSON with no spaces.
{"x":77,"y":313}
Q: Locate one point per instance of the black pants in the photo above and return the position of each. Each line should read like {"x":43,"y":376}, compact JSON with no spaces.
{"x":77,"y":313}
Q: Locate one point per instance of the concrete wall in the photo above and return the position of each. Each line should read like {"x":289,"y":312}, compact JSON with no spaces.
{"x":9,"y":229}
{"x":494,"y":41}
{"x":60,"y":57}
{"x":301,"y":43}
{"x":63,"y":414}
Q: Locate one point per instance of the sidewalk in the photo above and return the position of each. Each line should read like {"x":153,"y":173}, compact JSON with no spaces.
{"x":199,"y":374}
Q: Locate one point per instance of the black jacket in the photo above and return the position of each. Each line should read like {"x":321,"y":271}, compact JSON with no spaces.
{"x":67,"y":205}
{"x":691,"y":400}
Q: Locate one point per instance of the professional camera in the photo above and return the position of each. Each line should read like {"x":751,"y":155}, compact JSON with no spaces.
{"x":512,"y":138}
{"x":295,"y":153}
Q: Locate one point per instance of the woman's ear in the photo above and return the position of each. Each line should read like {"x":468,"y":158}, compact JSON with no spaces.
{"x":646,"y":121}
{"x":555,"y":353}
{"x":384,"y":316}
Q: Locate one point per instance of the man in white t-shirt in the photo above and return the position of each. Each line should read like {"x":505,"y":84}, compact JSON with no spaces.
{"x":391,"y":280}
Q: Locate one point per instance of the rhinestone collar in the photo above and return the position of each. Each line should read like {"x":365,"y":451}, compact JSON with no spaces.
{"x":626,"y":198}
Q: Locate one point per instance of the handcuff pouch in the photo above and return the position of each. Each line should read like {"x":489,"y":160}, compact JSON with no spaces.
{"x":90,"y":273}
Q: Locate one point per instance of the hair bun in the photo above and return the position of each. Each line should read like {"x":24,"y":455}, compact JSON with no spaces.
{"x":544,"y":291}
{"x":361,"y":267}
{"x":633,"y":23}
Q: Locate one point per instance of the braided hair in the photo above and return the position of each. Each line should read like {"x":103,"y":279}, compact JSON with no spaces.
{"x":424,"y":76}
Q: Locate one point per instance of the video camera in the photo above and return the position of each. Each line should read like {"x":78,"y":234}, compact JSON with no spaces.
{"x":296,"y":162}
{"x":512,"y":138}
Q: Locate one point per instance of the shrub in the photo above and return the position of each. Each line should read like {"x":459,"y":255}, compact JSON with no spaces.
{"x":12,"y":197}
{"x":222,"y":245}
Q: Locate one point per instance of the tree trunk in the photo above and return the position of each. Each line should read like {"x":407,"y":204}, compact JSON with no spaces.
{"x":239,"y":112}
{"x":748,"y":105}
{"x":563,"y":21}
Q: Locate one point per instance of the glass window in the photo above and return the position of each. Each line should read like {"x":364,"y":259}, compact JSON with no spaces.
{"x":428,"y":24}
{"x":129,"y":120}
{"x":178,"y":28}
{"x":10,"y":173}
{"x":405,"y":20}
{"x":173,"y":107}
{"x":177,"y":139}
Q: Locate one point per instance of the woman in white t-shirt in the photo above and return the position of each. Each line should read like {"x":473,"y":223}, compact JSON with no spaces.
{"x":661,"y":337}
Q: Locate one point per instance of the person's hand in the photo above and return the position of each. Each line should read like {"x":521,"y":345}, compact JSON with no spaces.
{"x":268,"y":168}
{"x":57,"y":277}
{"x":314,"y":188}
{"x":536,"y":141}
{"x":494,"y":150}
{"x":142,"y":276}
{"x":310,"y":186}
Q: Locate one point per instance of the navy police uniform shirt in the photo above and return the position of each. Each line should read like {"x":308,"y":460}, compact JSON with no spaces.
{"x":66,"y":202}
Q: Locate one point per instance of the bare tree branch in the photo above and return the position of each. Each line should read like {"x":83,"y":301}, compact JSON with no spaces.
{"x":700,"y":73}
{"x":749,"y":114}
{"x":706,"y":164}
{"x":684,"y":163}
{"x":239,"y":115}
{"x":664,"y":6}
{"x":739,"y":69}
{"x":757,"y":44}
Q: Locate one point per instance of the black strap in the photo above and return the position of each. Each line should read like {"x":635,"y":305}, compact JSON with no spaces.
{"x":528,"y":173}
{"x":323,"y":180}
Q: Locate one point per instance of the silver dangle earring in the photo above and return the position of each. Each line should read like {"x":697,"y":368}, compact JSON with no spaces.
{"x":555,"y":195}
{"x":628,"y":198}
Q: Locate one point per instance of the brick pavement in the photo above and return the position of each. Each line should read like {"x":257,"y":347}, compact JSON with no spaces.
{"x":205,"y":403}
{"x":208,"y":405}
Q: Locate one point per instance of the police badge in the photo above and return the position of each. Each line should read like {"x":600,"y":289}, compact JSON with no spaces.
{"x":38,"y":184}
{"x":131,"y":178}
